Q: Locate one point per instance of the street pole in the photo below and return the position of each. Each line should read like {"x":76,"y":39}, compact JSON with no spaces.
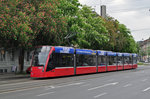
{"x":100,"y":3}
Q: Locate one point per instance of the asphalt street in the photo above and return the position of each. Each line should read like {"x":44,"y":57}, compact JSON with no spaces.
{"x":128,"y":84}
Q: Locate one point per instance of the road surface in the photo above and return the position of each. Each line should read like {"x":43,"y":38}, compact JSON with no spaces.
{"x":128,"y":84}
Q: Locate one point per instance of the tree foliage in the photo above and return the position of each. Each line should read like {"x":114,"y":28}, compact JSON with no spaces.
{"x":27,"y":23}
{"x":24,"y":23}
{"x":120,"y":38}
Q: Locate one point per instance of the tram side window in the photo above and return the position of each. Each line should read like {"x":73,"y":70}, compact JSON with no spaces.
{"x":126,"y":60}
{"x":101,"y":61}
{"x":120,"y":60}
{"x":86,"y":60}
{"x":134,"y":60}
{"x":112,"y":60}
{"x":58,"y":60}
{"x":130,"y":60}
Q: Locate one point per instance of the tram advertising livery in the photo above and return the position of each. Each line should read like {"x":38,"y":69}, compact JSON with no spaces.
{"x":54,"y":61}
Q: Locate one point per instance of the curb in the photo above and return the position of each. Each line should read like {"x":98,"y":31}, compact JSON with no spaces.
{"x":14,"y":76}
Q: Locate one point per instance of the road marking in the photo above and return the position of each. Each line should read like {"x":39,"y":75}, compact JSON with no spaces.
{"x":103,"y":86}
{"x":24,"y":88}
{"x":69,"y":85}
{"x":59,"y":86}
{"x":100,"y":95}
{"x":146,"y":89}
{"x":49,"y":87}
{"x":144,"y":80}
{"x":45,"y":94}
{"x":127,"y":85}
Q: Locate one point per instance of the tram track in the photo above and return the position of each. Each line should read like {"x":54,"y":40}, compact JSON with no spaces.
{"x":18,"y":89}
{"x":28,"y":85}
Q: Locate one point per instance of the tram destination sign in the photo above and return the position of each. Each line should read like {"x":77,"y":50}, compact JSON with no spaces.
{"x":64,"y":50}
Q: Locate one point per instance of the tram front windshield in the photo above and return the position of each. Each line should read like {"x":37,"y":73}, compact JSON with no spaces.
{"x":40,"y":55}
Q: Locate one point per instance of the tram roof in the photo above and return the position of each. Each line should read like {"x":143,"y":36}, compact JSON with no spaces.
{"x":127,"y":54}
{"x":85,"y":51}
{"x":102,"y":53}
{"x":61,"y":49}
{"x":134,"y":55}
{"x":111,"y":53}
{"x":119,"y":54}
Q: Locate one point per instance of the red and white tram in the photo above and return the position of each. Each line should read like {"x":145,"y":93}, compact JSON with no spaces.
{"x":53,"y":61}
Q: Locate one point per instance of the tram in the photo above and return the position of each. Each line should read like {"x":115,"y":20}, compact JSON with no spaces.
{"x":55,"y":61}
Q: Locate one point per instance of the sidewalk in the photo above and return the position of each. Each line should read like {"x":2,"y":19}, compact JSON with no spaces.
{"x":12,"y":76}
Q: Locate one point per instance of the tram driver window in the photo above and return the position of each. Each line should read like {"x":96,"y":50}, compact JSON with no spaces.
{"x":60,"y":60}
{"x":112,"y":60}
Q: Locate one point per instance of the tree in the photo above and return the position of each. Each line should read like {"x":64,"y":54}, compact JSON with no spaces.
{"x":27,"y":23}
{"x":113,"y":33}
{"x":120,"y":38}
{"x":89,"y":29}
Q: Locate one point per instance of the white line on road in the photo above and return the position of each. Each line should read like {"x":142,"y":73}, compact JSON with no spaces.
{"x":103,"y":86}
{"x":72,"y":84}
{"x":100,"y":95}
{"x":45,"y":93}
{"x":144,"y":80}
{"x":146,"y":89}
{"x":69,"y":84}
{"x":49,"y":87}
{"x":127,"y":85}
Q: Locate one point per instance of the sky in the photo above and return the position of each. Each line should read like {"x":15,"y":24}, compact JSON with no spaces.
{"x":135,"y":14}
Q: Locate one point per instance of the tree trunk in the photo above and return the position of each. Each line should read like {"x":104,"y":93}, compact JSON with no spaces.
{"x":21,"y":60}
